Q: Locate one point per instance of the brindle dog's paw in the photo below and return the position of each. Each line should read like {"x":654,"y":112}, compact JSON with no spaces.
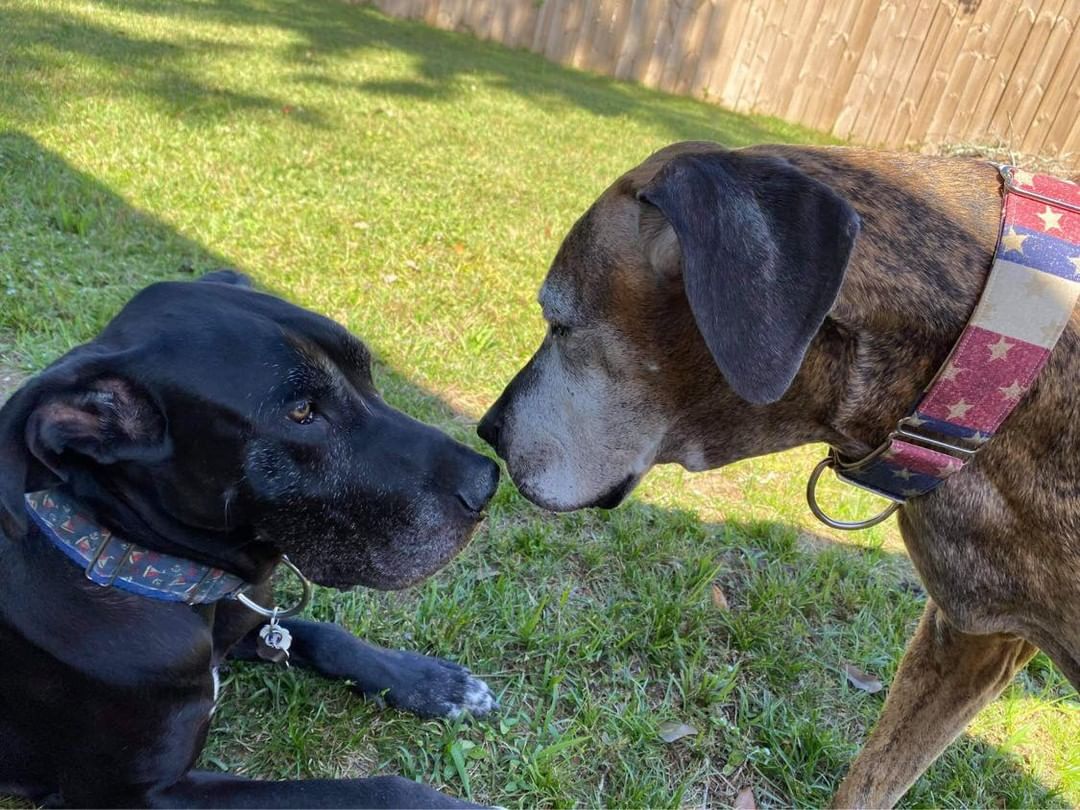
{"x":433,"y":687}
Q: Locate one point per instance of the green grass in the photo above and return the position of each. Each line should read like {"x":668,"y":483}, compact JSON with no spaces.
{"x":414,"y":184}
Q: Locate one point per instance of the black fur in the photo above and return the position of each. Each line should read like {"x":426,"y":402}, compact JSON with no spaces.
{"x":173,"y":429}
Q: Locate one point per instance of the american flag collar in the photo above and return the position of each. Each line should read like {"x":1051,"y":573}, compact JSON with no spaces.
{"x":108,"y":560}
{"x":1028,"y":300}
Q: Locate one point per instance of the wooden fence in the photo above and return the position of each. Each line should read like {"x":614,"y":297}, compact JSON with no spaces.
{"x":902,"y":73}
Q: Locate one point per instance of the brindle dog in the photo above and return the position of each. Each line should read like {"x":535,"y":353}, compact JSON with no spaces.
{"x":714,"y":305}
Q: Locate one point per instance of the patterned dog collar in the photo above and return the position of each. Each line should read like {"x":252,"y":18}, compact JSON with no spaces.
{"x":110,"y":561}
{"x":1026,"y":304}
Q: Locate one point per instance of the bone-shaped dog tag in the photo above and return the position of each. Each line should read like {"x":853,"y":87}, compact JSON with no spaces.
{"x":274,"y":643}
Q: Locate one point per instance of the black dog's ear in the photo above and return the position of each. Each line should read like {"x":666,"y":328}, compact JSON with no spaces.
{"x":54,"y":421}
{"x":763,"y":250}
{"x":226,"y":276}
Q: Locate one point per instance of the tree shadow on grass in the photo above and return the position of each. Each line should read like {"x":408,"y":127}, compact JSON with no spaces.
{"x":42,"y":41}
{"x":42,"y":46}
{"x":786,"y":723}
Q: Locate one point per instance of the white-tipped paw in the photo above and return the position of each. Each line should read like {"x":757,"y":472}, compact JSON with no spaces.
{"x":478,"y":700}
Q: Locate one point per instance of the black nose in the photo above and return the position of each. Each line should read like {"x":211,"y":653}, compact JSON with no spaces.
{"x":491,"y":426}
{"x":479,"y":485}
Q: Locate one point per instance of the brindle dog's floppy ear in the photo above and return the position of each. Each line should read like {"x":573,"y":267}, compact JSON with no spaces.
{"x":72,"y":415}
{"x":763,"y":252}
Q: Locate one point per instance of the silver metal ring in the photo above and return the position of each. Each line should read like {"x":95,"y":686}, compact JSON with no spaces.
{"x":276,"y":612}
{"x":811,"y":498}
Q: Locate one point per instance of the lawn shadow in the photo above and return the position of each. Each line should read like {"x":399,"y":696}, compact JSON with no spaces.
{"x":47,"y":205}
{"x":447,"y":63}
{"x":42,"y":47}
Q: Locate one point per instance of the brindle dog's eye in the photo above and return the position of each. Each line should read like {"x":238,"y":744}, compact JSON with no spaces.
{"x":303,"y":413}
{"x":559,"y":330}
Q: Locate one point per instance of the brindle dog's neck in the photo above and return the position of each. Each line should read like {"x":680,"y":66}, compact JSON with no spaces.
{"x":929,"y":230}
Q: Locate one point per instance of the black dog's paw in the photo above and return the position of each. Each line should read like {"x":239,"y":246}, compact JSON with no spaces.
{"x":432,"y":687}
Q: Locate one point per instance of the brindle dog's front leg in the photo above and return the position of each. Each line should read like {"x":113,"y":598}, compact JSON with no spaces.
{"x":944,"y":679}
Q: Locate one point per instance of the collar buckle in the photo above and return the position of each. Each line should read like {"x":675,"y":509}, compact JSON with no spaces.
{"x":1008,"y":176}
{"x":908,"y":429}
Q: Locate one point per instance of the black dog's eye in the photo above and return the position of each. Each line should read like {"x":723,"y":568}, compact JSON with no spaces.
{"x":559,"y":330}
{"x":303,"y":413}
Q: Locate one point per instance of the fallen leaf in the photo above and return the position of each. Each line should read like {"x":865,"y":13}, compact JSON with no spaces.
{"x":459,"y":248}
{"x":745,"y":800}
{"x":670,"y":731}
{"x":862,"y":680}
{"x":718,"y":599}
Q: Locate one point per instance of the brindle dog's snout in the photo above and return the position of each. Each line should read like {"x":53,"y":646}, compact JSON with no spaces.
{"x":491,"y":425}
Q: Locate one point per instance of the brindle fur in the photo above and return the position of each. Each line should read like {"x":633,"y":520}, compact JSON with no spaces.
{"x":997,"y":546}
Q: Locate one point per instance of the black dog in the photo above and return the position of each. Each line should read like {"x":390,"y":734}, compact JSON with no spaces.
{"x":214,"y":428}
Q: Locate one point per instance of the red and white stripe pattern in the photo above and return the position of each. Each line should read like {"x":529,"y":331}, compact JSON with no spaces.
{"x":1027,"y":303}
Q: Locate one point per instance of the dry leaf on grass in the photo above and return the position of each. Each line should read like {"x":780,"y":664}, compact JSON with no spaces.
{"x":670,"y":731}
{"x":745,"y":800}
{"x":718,"y":599}
{"x":862,"y":680}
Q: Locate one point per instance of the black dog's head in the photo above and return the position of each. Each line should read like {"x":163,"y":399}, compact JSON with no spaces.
{"x":231,"y":426}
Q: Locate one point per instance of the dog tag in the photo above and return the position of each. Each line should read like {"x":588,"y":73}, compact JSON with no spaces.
{"x":274,"y":643}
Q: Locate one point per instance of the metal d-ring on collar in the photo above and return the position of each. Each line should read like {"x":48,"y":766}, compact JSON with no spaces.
{"x":833,"y":461}
{"x":276,"y":612}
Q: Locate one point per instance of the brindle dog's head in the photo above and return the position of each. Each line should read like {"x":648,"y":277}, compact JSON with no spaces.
{"x":228,"y":426}
{"x":681,"y":309}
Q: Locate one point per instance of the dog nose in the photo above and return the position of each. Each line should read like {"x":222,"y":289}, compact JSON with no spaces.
{"x":491,"y":426}
{"x":477,"y":488}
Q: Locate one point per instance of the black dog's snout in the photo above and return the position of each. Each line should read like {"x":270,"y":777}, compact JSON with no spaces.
{"x":491,"y":426}
{"x":477,"y":487}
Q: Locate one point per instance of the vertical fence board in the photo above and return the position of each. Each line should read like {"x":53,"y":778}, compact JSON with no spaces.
{"x":667,"y":13}
{"x":921,"y":16}
{"x":940,"y":72}
{"x":826,"y":32}
{"x":633,"y":40}
{"x":769,"y":96}
{"x":722,"y":57}
{"x":921,"y":72}
{"x":697,"y":28}
{"x":1001,"y":125}
{"x":1024,"y":13}
{"x":984,"y":57}
{"x":1056,"y":99}
{"x":742,"y":62}
{"x":1051,"y":58}
{"x":1067,"y":116}
{"x":967,"y":57}
{"x":797,"y":50}
{"x":850,"y":57}
{"x":871,"y":64}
